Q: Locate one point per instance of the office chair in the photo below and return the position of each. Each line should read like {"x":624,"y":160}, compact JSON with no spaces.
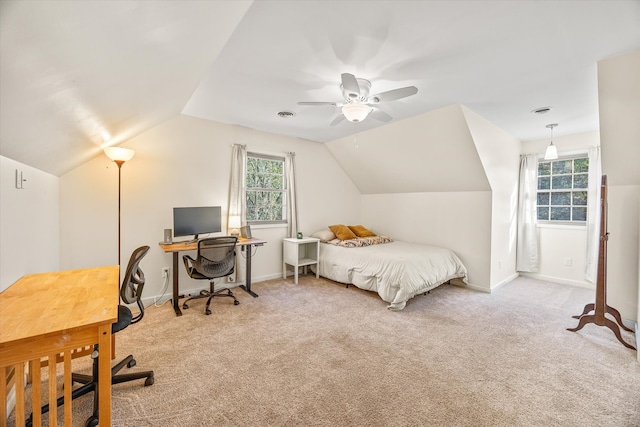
{"x":216,"y":258}
{"x":130,"y":292}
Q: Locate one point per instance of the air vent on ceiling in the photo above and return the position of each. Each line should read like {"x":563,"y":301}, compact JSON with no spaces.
{"x":286,"y":114}
{"x":541,"y":110}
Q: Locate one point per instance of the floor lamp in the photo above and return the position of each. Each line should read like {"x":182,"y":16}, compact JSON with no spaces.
{"x":119,"y":155}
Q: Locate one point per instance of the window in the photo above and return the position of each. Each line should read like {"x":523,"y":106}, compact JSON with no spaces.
{"x":266,"y":193}
{"x":562,"y":190}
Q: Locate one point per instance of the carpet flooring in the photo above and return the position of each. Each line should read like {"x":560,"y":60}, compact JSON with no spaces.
{"x":319,"y":354}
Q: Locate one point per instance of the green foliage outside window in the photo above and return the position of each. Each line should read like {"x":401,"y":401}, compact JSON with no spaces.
{"x":265,"y":189}
{"x":562,"y":190}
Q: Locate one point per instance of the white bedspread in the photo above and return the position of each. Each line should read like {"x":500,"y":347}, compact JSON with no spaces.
{"x":397,"y":271}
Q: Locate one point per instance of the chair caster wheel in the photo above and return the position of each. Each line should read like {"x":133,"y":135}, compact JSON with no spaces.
{"x":207,"y":311}
{"x":149,"y":381}
{"x":92,"y":421}
{"x":236,"y":302}
{"x":185,"y":306}
{"x":132,"y":363}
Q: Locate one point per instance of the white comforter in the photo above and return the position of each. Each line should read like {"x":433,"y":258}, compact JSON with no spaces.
{"x":397,"y":271}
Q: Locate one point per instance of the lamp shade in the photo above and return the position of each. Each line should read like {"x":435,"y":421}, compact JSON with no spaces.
{"x":551,"y":153}
{"x":356,"y":111}
{"x":119,"y":154}
{"x":234,"y":221}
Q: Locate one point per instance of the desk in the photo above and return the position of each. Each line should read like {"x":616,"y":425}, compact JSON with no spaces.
{"x":43,"y":315}
{"x":177,"y":247}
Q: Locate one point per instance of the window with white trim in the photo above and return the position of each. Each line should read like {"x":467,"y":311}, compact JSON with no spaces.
{"x":562,"y":190}
{"x":266,"y":192}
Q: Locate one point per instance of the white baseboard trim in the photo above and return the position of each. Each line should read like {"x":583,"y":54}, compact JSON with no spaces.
{"x":637,"y":329}
{"x":560,"y":280}
{"x":504,"y":282}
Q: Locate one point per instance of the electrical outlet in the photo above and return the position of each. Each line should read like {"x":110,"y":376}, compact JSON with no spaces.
{"x":165,"y":272}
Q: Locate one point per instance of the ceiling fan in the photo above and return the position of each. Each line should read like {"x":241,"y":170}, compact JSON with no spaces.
{"x":358,"y":104}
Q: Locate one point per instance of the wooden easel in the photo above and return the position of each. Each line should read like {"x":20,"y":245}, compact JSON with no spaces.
{"x":600,"y":308}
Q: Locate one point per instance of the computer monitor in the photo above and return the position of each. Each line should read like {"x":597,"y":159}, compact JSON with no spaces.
{"x":192,"y":221}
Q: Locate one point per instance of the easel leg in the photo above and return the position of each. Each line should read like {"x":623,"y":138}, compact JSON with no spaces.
{"x":587,"y":308}
{"x":601,"y":322}
{"x":616,"y":314}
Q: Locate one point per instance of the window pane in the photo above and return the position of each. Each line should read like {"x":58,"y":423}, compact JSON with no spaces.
{"x":561,"y":198}
{"x":581,"y":181}
{"x":579,"y":214}
{"x":560,"y":214}
{"x":562,"y":190}
{"x":544,"y":183}
{"x":544,"y":168}
{"x":580,"y":198}
{"x":561,"y":182}
{"x":561,"y":166}
{"x":581,"y":165}
{"x":543,"y":214}
{"x":543,"y":199}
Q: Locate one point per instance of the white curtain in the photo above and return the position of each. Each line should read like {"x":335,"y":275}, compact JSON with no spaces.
{"x":527,"y":247}
{"x":237,"y":184}
{"x":593,"y":215}
{"x":292,"y":203}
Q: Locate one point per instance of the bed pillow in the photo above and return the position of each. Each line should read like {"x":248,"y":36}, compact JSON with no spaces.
{"x":342,"y":232}
{"x":324,"y":235}
{"x":361,"y":231}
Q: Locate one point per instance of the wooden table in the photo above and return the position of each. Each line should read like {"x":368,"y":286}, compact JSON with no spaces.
{"x":177,"y":247}
{"x":48,"y":314}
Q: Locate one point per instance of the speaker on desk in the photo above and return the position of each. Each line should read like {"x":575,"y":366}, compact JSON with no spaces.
{"x":167,"y":236}
{"x":245,"y":232}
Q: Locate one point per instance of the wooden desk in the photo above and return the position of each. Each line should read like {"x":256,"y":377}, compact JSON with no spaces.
{"x":177,"y":247}
{"x":43,"y":315}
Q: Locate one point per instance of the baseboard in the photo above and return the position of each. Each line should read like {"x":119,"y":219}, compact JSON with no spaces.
{"x":560,"y":280}
{"x":637,"y":329}
{"x":504,"y":282}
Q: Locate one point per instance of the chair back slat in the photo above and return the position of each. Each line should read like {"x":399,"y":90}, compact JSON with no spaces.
{"x":133,"y":282}
{"x":216,"y":256}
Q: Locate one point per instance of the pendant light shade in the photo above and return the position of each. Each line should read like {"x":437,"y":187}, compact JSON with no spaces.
{"x":552,"y":151}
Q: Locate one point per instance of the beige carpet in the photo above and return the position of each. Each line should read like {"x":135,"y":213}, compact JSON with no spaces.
{"x":318,"y":354}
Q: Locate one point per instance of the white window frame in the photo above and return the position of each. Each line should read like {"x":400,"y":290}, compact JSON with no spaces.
{"x":254,"y":222}
{"x":570,"y":223}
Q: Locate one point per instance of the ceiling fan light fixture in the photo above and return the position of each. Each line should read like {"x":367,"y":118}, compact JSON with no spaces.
{"x":356,"y":112}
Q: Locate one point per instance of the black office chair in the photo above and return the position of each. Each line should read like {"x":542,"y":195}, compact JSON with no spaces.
{"x":216,"y":258}
{"x":130,"y":292}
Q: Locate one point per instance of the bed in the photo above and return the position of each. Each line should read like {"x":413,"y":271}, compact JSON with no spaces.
{"x":396,"y":270}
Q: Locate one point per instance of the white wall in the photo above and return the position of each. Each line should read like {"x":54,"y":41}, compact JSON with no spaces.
{"x":619,"y":98}
{"x":559,"y":242}
{"x":28,"y":222}
{"x":186,"y":162}
{"x":499,"y":153}
{"x":458,"y":220}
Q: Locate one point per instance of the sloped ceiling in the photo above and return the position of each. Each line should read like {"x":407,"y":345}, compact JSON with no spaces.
{"x":78,"y":75}
{"x":430,"y":152}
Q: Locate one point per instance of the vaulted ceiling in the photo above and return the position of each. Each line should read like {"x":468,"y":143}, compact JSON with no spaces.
{"x":78,"y":76}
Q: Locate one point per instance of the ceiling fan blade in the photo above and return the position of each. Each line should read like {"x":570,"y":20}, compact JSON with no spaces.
{"x":380,"y":115}
{"x":318,"y":103}
{"x":393,"y":94}
{"x":350,"y":85}
{"x":337,"y":120}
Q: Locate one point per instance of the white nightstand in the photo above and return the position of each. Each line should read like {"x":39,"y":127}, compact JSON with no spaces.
{"x":300,"y":253}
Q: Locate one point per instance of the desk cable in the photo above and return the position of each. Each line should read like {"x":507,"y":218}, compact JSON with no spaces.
{"x":165,"y":286}
{"x":255,"y":249}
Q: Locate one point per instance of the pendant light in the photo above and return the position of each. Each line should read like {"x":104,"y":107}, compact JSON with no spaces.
{"x":552,"y":151}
